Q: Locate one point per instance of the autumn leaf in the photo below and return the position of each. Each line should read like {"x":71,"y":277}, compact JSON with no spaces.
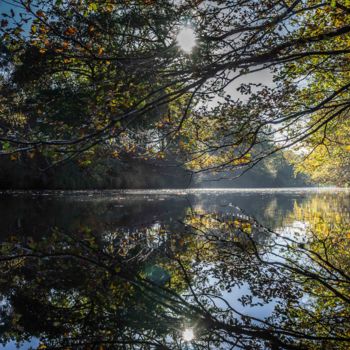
{"x":70,"y":31}
{"x":109,"y":7}
{"x":40,"y":13}
{"x":91,"y":29}
{"x":93,"y":6}
{"x":100,"y":51}
{"x":31,"y":155}
{"x":4,"y":23}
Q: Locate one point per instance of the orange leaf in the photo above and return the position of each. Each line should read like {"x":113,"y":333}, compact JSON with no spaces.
{"x":40,"y":13}
{"x":70,"y":31}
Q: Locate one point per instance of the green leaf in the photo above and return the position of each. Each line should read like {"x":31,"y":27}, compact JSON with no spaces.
{"x":6,"y":146}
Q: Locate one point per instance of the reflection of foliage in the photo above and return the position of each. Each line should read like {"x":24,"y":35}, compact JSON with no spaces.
{"x":107,"y":288}
{"x":327,"y":247}
{"x":326,"y":216}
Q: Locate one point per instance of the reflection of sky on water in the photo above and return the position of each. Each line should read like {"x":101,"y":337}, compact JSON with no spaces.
{"x":237,"y":292}
{"x":34,"y":343}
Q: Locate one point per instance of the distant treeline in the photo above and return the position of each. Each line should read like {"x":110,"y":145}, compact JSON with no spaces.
{"x":110,"y":173}
{"x":275,"y":171}
{"x":106,"y":173}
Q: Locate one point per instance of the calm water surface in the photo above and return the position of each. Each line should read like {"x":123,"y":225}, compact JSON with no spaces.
{"x":175,"y":269}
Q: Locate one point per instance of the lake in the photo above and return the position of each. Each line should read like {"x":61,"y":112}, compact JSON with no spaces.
{"x":175,"y":269}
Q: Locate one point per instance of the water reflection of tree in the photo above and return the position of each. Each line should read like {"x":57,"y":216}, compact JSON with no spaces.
{"x":142,"y":288}
{"x":325,"y":252}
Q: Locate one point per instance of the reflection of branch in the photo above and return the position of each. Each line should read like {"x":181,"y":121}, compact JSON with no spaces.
{"x":172,"y":306}
{"x":187,"y":279}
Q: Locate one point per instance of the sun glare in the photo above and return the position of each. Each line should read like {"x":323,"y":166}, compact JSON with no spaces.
{"x":186,"y":39}
{"x":188,"y":334}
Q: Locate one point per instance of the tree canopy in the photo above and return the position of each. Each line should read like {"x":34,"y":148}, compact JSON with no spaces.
{"x":80,"y":74}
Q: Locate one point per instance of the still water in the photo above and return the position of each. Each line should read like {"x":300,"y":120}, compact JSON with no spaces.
{"x":175,"y":269}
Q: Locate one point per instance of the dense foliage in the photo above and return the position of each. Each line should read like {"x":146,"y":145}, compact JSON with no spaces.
{"x":79,"y":75}
{"x":325,"y":154}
